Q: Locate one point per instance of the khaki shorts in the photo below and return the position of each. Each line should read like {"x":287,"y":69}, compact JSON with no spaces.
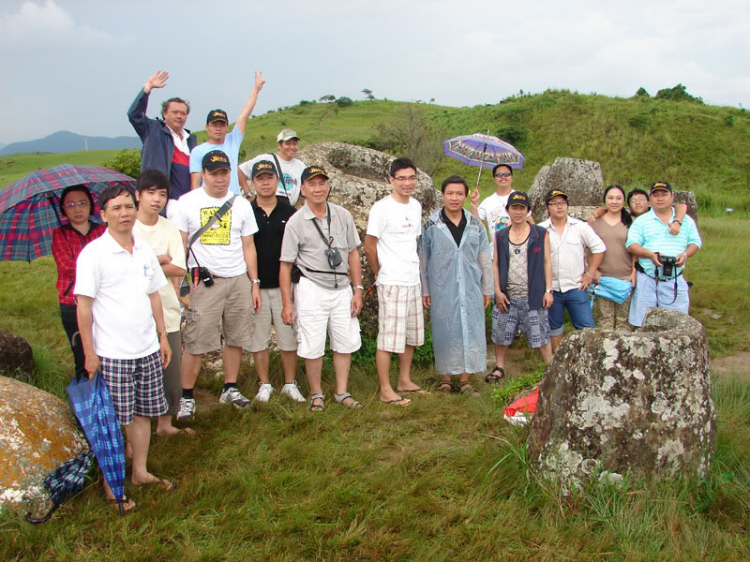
{"x":270,"y":313}
{"x":400,"y":317}
{"x":227,"y":303}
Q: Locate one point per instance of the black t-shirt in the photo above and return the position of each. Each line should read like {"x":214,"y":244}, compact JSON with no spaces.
{"x":456,"y":231}
{"x":268,"y":241}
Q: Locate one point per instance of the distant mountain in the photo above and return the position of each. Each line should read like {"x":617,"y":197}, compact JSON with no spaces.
{"x":65,"y":141}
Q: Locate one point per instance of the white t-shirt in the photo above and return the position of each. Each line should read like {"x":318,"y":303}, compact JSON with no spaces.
{"x":219,"y":249}
{"x":120,"y":284}
{"x":292,"y":170}
{"x":397,"y":227}
{"x":230,"y":147}
{"x":165,"y":240}
{"x":492,"y":210}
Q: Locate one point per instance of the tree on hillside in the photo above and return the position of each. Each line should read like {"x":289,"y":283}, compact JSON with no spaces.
{"x":343,"y":101}
{"x":409,"y":133}
{"x":642,"y":93}
{"x":329,"y":98}
{"x":678,"y":93}
{"x":368,"y":94}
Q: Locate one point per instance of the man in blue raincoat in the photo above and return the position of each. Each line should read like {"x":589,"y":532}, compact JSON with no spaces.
{"x":457,"y":286}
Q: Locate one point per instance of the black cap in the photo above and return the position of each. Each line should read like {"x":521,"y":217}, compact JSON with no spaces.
{"x":216,"y":160}
{"x":657,"y":185}
{"x":554,"y":192}
{"x":217,"y":115}
{"x":312,"y":171}
{"x":518,"y":198}
{"x":263,"y":167}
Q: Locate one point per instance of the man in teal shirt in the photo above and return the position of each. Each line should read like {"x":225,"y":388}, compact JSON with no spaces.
{"x":659,"y":283}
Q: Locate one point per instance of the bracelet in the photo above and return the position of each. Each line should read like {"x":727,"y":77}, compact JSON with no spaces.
{"x":162,"y":334}
{"x":360,"y":287}
{"x":587,"y":273}
{"x":254,"y":281}
{"x":678,"y":222}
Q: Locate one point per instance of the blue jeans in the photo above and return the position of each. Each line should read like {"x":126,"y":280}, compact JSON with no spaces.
{"x":579,"y":308}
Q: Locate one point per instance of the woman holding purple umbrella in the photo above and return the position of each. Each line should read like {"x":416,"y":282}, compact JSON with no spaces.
{"x":77,"y":204}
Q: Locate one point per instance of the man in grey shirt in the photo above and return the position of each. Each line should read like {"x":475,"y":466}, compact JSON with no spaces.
{"x":322,"y":241}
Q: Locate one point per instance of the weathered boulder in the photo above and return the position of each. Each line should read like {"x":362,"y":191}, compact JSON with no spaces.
{"x":613,"y":402}
{"x":37,"y":434}
{"x":359,"y":178}
{"x":16,"y":357}
{"x":582,"y":180}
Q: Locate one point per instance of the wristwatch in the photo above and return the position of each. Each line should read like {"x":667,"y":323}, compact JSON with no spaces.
{"x":254,"y":281}
{"x":360,"y":287}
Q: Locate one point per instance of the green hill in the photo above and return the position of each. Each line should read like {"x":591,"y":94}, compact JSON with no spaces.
{"x":637,"y":140}
{"x":16,"y":166}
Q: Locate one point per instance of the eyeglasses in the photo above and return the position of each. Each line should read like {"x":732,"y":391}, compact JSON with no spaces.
{"x":74,"y":204}
{"x":503,"y":175}
{"x":406,"y":178}
{"x":639,"y":199}
{"x":558,"y":204}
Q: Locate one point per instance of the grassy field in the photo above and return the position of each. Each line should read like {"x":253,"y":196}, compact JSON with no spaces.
{"x":445,"y":479}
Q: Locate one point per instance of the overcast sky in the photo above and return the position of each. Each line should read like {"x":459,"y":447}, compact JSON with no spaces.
{"x":77,"y":64}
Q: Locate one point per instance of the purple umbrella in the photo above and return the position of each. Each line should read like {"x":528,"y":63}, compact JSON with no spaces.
{"x":29,"y":206}
{"x":484,"y":151}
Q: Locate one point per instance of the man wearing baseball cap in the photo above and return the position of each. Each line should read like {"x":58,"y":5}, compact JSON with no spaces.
{"x":523,"y":284}
{"x":290,"y":168}
{"x":272,"y":216}
{"x":225,"y":289}
{"x":322,"y":241}
{"x":217,"y":125}
{"x":569,"y":240}
{"x":661,"y":255}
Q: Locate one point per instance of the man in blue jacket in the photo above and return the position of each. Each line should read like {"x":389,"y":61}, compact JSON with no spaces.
{"x":166,"y":142}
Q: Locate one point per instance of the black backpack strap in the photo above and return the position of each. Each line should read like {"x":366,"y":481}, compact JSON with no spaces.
{"x":215,"y":217}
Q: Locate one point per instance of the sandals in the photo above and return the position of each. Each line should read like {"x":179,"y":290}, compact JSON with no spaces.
{"x":352,"y":404}
{"x":163,"y":483}
{"x":466,"y":388}
{"x":121,"y":507}
{"x":445,"y":387}
{"x":396,"y":402}
{"x":495,"y":375}
{"x":317,"y":407}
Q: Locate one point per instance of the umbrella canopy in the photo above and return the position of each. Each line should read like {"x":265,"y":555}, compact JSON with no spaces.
{"x":483,"y":150}
{"x":65,"y":481}
{"x":29,"y":206}
{"x":96,"y":414}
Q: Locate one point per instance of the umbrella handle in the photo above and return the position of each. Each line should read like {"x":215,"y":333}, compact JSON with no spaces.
{"x":38,"y":521}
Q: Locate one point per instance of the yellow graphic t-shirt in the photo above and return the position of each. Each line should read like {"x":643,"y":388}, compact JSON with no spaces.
{"x":220,"y":231}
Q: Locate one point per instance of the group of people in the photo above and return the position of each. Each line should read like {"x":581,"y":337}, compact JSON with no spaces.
{"x":253,"y":260}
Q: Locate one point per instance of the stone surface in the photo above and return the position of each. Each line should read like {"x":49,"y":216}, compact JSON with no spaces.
{"x":38,"y":433}
{"x":582,"y":180}
{"x":616,"y":402}
{"x":359,"y":178}
{"x":16,"y":357}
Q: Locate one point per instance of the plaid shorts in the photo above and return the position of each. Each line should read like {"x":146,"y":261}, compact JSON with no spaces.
{"x":533,"y":323}
{"x":136,"y":387}
{"x":400,"y":317}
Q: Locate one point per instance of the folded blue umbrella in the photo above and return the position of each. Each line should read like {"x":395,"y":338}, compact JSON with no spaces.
{"x":93,"y":407}
{"x":611,"y":288}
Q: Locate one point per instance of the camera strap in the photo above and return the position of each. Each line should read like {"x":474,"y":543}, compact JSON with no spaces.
{"x":281,"y":174}
{"x":215,"y":217}
{"x":327,"y":241}
{"x":657,"y":278}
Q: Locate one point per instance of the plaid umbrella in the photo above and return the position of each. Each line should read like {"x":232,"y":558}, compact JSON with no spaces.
{"x":96,"y":414}
{"x":29,"y":206}
{"x":65,"y":481}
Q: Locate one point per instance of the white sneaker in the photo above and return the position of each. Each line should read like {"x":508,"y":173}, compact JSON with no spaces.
{"x":187,"y":409}
{"x":233,"y":396}
{"x":264,"y":392}
{"x":292,"y":391}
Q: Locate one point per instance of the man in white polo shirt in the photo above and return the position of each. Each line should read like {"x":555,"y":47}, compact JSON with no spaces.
{"x":661,"y":256}
{"x":290,"y":168}
{"x":393,"y":229}
{"x":225,"y":289}
{"x":120,"y":318}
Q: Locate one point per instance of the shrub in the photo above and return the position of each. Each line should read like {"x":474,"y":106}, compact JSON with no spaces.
{"x":343,"y":101}
{"x":126,"y":162}
{"x":678,"y":93}
{"x":642,"y":93}
{"x":516,"y":136}
{"x":409,"y":133}
{"x":641,"y":121}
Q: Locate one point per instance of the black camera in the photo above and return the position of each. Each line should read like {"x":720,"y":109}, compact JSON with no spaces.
{"x":202,"y":275}
{"x":334,"y":257}
{"x":668,"y":264}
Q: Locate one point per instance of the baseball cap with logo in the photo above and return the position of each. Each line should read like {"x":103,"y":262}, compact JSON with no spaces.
{"x":312,"y":171}
{"x":286,"y":134}
{"x":554,"y":192}
{"x":518,"y":198}
{"x":216,"y":115}
{"x":262,"y":167}
{"x":215,"y":160}
{"x":660,"y":185}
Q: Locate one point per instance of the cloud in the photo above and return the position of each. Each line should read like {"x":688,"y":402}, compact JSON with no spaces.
{"x":45,"y":25}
